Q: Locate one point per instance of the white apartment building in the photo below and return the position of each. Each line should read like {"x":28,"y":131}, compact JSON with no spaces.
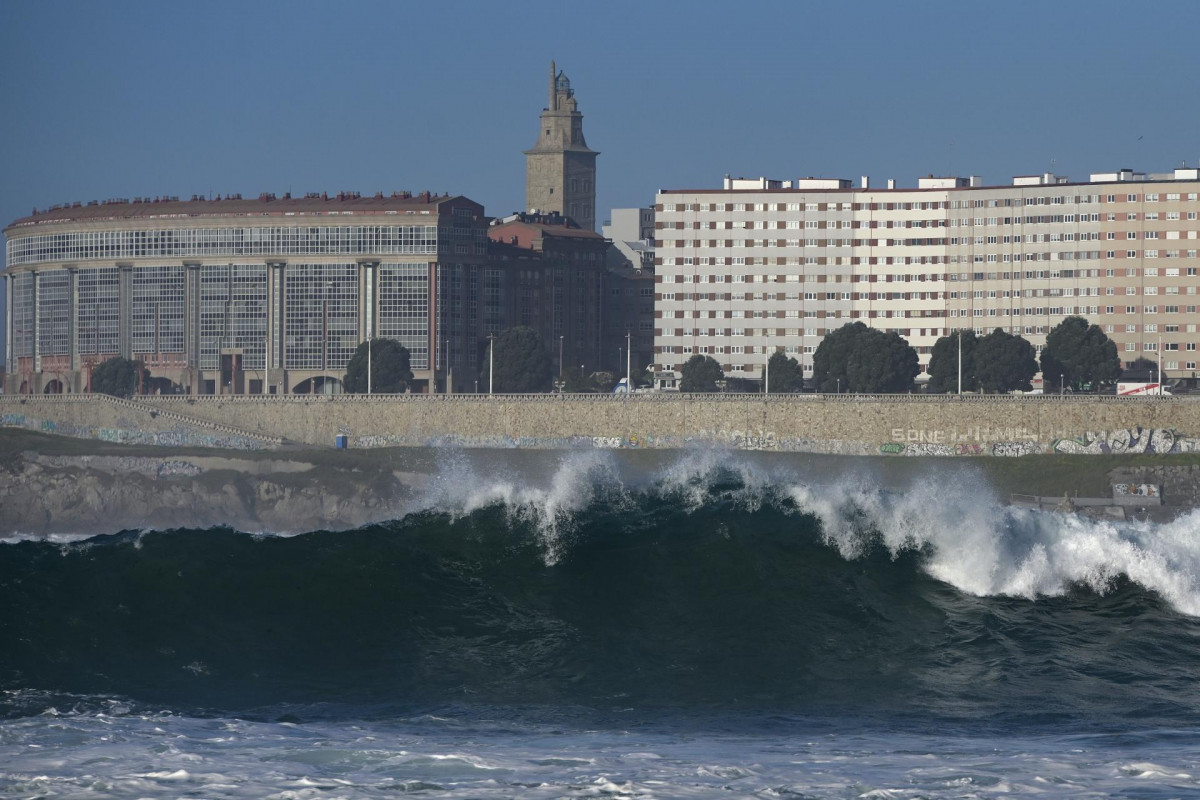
{"x":761,"y":265}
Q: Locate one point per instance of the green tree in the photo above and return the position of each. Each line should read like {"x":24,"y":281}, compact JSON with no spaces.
{"x":864,"y":359}
{"x":700,"y":374}
{"x":1077,"y":353}
{"x":118,"y":376}
{"x":391,"y":372}
{"x":1142,"y":363}
{"x":1004,"y":362}
{"x":784,"y":374}
{"x":522,"y":363}
{"x":943,"y":364}
{"x":577,"y":380}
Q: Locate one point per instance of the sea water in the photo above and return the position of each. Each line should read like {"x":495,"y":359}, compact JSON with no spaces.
{"x":711,"y":624}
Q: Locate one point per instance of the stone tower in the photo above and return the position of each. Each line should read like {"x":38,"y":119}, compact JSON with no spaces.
{"x":560,"y":170}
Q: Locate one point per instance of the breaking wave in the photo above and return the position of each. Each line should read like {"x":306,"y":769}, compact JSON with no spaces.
{"x":711,"y":579}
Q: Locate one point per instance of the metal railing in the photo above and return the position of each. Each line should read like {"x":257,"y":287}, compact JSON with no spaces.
{"x":650,"y":397}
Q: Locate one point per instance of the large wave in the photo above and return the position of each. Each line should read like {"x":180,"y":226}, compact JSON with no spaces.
{"x":706,"y":579}
{"x":968,"y":538}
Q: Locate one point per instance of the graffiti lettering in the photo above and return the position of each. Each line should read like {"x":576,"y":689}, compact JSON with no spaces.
{"x":1136,"y":489}
{"x":1015,"y":449}
{"x":1131,"y":441}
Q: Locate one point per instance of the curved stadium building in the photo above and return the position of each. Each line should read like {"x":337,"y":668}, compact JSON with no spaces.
{"x":243,"y":296}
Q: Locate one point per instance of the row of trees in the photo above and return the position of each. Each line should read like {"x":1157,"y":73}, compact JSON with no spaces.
{"x":1076,"y":355}
{"x":854,"y":358}
{"x":521,"y":364}
{"x":518,"y":363}
{"x":861,"y":359}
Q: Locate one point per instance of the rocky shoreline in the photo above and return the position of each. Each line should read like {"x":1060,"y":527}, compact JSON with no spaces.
{"x":58,"y":486}
{"x":48,"y":495}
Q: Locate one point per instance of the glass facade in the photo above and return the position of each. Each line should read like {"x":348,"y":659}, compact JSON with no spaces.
{"x":54,"y":312}
{"x":97,"y":312}
{"x":243,"y":241}
{"x":157,"y":314}
{"x":274,"y":295}
{"x":321,"y":316}
{"x":233,"y":313}
{"x":404,"y":309}
{"x":21,"y":329}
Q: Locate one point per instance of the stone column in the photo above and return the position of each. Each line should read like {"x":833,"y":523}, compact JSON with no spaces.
{"x":10,"y":363}
{"x":73,"y":321}
{"x":125,"y":311}
{"x":35,"y":326}
{"x":367,"y":304}
{"x":191,"y":324}
{"x":276,"y":325}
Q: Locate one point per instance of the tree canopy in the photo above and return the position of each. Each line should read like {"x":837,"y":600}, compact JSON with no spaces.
{"x":1004,"y":362}
{"x":1079,"y":353}
{"x":943,"y":363}
{"x":522,"y":363}
{"x":864,"y":359}
{"x":576,"y":380}
{"x":391,"y":372}
{"x":117,"y":376}
{"x":784,"y":374}
{"x":700,"y":374}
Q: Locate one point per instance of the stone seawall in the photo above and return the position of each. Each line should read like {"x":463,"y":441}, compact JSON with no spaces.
{"x":853,"y":425}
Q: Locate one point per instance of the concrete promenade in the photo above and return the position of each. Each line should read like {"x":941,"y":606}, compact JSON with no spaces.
{"x":844,"y":424}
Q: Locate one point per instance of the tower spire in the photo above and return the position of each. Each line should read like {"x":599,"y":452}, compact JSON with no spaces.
{"x":560,"y":170}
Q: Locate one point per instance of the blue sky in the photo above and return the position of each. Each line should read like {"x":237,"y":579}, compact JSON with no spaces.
{"x":150,"y":98}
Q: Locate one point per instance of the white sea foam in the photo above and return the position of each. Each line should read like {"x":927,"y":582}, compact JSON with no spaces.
{"x":555,"y":760}
{"x":968,"y":537}
{"x":550,"y":506}
{"x":984,"y":547}
{"x":696,"y":477}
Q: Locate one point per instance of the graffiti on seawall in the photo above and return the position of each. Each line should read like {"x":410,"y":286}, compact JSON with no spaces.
{"x":1016,"y":449}
{"x":1135,"y":489}
{"x":181,"y":437}
{"x":931,"y":449}
{"x":1132,"y":440}
{"x":504,"y":442}
{"x":976,"y":433}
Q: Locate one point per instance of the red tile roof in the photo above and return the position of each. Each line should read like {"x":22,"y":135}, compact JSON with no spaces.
{"x":236,"y":206}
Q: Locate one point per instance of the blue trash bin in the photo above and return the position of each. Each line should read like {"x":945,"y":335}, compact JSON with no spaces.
{"x":342,"y":440}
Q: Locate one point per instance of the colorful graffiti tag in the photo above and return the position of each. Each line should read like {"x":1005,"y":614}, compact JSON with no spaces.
{"x":1132,"y":440}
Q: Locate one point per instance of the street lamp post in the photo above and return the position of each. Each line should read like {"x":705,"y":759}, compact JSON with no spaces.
{"x":560,"y":351}
{"x":839,"y":385}
{"x":324,"y":336}
{"x":628,"y":361}
{"x":960,"y":361}
{"x":491,"y":362}
{"x":1160,"y":386}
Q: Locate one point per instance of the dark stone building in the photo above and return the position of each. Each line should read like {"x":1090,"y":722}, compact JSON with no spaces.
{"x":553,"y":274}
